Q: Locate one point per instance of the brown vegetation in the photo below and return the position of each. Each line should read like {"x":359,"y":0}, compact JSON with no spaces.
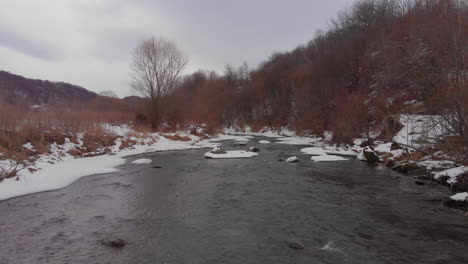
{"x":380,"y":58}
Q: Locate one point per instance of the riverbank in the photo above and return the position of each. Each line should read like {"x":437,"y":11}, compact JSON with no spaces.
{"x":70,"y":158}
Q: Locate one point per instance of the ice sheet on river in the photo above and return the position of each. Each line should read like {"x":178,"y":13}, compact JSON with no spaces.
{"x":233,"y":154}
{"x":327,"y":158}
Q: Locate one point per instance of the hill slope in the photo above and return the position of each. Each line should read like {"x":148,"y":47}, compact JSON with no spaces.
{"x":16,"y":89}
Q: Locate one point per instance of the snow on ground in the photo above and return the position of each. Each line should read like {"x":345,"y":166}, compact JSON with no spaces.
{"x":327,"y":158}
{"x":384,"y":147}
{"x":264,"y":142}
{"x":142,"y":161}
{"x":238,"y":138}
{"x":264,"y":132}
{"x":329,"y":150}
{"x":419,"y":130}
{"x":233,"y":154}
{"x":315,"y":151}
{"x":292,"y":159}
{"x":452,"y":174}
{"x":340,"y":151}
{"x":28,"y":146}
{"x":296,"y":140}
{"x":59,"y":169}
{"x":59,"y":175}
{"x":460,"y":196}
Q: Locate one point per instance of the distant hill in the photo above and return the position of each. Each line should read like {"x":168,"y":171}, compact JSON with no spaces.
{"x":108,"y":93}
{"x":16,"y":89}
{"x":133,"y":100}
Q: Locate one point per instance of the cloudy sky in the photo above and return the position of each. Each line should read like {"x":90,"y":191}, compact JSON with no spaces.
{"x":89,"y":42}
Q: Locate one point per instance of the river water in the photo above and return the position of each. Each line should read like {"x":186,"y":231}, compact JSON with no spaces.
{"x":196,"y":210}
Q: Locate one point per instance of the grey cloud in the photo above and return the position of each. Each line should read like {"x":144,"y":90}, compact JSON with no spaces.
{"x":28,"y":47}
{"x":213,"y":33}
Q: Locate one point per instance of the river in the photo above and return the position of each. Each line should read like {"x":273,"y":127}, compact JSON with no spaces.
{"x":197,"y":210}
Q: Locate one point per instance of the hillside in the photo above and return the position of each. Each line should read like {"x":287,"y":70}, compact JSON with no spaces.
{"x":18,"y":90}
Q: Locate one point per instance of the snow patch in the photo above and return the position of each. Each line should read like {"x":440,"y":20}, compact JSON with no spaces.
{"x":452,"y":174}
{"x":327,"y":158}
{"x":315,"y":151}
{"x":233,"y":154}
{"x":298,"y":140}
{"x":264,"y":142}
{"x":28,"y":146}
{"x":292,"y":159}
{"x":460,"y":196}
{"x":142,"y":161}
{"x":58,"y":176}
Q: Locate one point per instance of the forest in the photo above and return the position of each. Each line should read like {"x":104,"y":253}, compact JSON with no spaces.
{"x":378,"y":59}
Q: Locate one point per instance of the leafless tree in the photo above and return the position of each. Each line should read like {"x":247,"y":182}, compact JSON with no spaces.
{"x":157,"y":63}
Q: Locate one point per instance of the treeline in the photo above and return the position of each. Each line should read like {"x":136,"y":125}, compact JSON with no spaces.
{"x":379,"y":58}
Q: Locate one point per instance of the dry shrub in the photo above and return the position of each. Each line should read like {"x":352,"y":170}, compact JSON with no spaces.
{"x":177,"y":137}
{"x":78,"y":152}
{"x":414,"y":156}
{"x":9,"y":171}
{"x":127,"y":143}
{"x":256,"y":127}
{"x":93,"y":142}
{"x":211,"y":130}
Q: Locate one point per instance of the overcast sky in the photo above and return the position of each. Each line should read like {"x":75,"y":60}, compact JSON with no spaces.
{"x":89,"y":42}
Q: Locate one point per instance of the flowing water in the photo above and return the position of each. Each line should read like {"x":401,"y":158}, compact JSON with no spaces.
{"x":196,"y":210}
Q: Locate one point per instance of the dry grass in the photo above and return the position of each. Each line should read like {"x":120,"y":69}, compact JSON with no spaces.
{"x":177,"y":137}
{"x":43,"y":127}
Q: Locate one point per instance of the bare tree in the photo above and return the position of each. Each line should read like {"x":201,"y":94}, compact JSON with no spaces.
{"x":157,"y":63}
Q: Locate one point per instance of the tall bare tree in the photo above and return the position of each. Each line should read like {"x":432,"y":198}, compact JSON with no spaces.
{"x":157,"y":63}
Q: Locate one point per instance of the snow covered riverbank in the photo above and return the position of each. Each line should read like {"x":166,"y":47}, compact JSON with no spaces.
{"x":60,"y":168}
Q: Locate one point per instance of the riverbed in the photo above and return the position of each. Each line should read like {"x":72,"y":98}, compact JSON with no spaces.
{"x":184,"y":208}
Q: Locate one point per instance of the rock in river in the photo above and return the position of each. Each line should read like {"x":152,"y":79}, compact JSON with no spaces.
{"x":254,"y":149}
{"x":115,"y":243}
{"x":296,"y":245}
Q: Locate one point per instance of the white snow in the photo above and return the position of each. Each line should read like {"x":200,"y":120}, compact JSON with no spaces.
{"x":264,"y":142}
{"x":315,"y":151}
{"x":420,"y":130}
{"x":28,"y":146}
{"x":292,"y":159}
{"x":264,"y":132}
{"x":237,"y":138}
{"x":328,"y":136}
{"x":327,"y":158}
{"x":452,"y":174}
{"x":233,"y":154}
{"x":142,"y":161}
{"x":460,"y":196}
{"x":242,"y":140}
{"x":340,"y":152}
{"x":383,"y":148}
{"x":296,"y":140}
{"x":58,"y":176}
{"x":217,"y":149}
{"x":59,"y":169}
{"x":320,"y":151}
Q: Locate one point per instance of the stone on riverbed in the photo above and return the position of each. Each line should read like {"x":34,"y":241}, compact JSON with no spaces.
{"x":115,"y":243}
{"x":296,"y":245}
{"x":407,"y":167}
{"x":292,"y":159}
{"x":254,"y":149}
{"x":459,"y":200}
{"x":218,"y":150}
{"x":370,"y":155}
